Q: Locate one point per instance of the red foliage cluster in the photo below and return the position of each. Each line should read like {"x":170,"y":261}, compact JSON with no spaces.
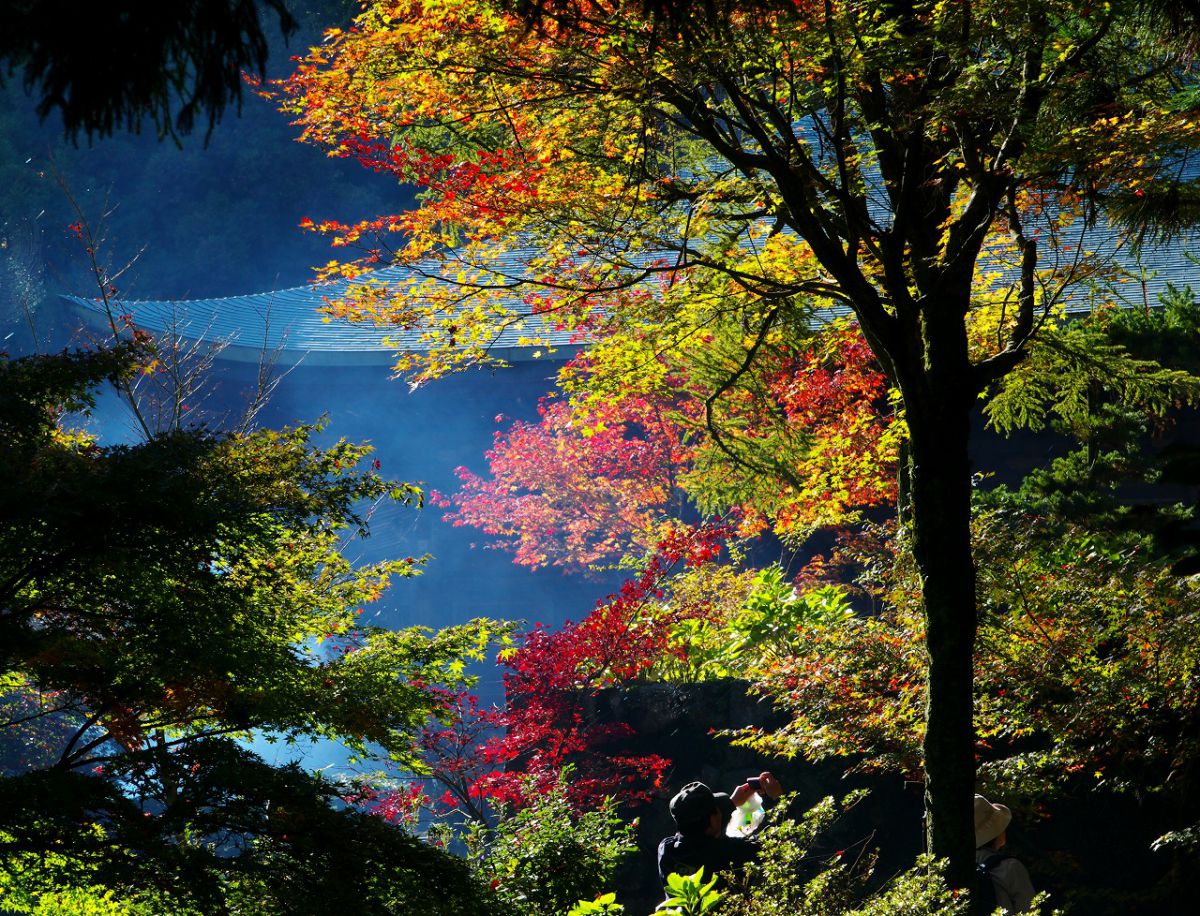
{"x":492,"y":756}
{"x":492,"y":185}
{"x":549,"y":729}
{"x":550,"y":675}
{"x":571,"y":491}
{"x":837,"y":391}
{"x":396,"y":806}
{"x":617,"y":643}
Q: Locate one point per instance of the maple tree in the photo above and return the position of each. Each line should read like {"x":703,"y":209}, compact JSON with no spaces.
{"x":604,"y":471}
{"x":488,"y":758}
{"x":923,"y":165}
{"x":577,"y":488}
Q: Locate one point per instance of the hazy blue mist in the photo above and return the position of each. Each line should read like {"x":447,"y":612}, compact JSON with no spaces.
{"x":221,"y":220}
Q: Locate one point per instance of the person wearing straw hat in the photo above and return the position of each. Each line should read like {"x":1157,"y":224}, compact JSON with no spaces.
{"x":1010,"y":878}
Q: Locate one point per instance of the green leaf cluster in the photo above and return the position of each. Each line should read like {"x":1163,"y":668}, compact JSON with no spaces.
{"x":542,"y":859}
{"x":604,"y":905}
{"x":1069,"y":368}
{"x":690,"y":895}
{"x":1117,"y":404}
{"x":159,"y":600}
{"x":765,"y":624}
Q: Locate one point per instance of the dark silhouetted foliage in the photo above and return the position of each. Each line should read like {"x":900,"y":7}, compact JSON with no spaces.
{"x":110,"y":66}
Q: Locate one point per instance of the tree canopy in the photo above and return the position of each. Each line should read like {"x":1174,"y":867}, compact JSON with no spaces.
{"x":937,"y":169}
{"x":163,"y":598}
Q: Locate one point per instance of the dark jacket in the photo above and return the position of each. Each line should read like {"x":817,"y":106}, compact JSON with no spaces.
{"x":681,"y":854}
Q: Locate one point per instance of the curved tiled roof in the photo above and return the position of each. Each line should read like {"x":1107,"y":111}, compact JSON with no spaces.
{"x":289,"y":322}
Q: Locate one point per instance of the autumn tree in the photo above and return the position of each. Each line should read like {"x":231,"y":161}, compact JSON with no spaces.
{"x":579,"y":488}
{"x":487,"y":760}
{"x":933,"y":168}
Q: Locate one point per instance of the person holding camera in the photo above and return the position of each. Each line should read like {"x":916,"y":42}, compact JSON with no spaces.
{"x":702,"y":819}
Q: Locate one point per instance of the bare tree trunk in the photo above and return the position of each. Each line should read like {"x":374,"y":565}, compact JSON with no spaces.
{"x":940,"y":481}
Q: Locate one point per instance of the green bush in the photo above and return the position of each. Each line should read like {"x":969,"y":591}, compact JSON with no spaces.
{"x":544,"y":858}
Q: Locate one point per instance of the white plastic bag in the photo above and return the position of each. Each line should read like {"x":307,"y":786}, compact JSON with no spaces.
{"x":746,"y":817}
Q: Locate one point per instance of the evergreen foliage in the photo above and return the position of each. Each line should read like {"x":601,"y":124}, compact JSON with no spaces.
{"x":162,"y":598}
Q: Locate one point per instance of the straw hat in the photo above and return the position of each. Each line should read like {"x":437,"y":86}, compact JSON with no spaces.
{"x":990,"y":821}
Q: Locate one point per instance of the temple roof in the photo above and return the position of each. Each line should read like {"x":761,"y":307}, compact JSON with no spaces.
{"x":288,"y":321}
